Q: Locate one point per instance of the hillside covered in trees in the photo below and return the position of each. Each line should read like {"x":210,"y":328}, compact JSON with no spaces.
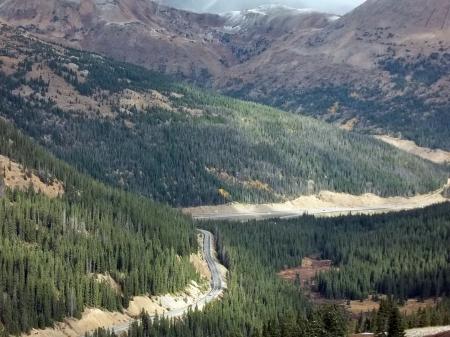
{"x":54,"y":251}
{"x":404,"y":254}
{"x":136,"y":129}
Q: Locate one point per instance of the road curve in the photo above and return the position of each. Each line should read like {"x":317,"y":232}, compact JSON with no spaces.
{"x":218,"y":285}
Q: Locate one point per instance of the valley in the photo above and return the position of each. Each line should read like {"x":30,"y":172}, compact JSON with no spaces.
{"x":266,"y":172}
{"x":368,"y":250}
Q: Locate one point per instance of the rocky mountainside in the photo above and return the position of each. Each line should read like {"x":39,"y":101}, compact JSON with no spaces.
{"x":137,"y":31}
{"x":196,"y":46}
{"x":383,"y":68}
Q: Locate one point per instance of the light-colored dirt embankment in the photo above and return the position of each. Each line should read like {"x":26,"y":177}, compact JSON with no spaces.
{"x":436,"y":156}
{"x":323,"y":204}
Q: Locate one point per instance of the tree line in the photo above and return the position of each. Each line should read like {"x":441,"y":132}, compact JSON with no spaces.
{"x":403,"y":254}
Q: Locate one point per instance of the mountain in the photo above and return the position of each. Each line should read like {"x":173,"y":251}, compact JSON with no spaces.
{"x":382,"y":68}
{"x":194,"y":46}
{"x":252,"y":33}
{"x":137,"y":31}
{"x":139,"y":130}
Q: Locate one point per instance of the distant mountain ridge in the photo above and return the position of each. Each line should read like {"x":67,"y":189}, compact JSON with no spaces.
{"x":137,"y":31}
{"x":195,"y":46}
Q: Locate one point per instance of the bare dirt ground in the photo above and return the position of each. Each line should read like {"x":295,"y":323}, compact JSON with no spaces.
{"x":8,"y":64}
{"x":306,"y":272}
{"x":16,"y":176}
{"x":310,"y":267}
{"x":411,"y":306}
{"x":93,"y":318}
{"x":106,"y":278}
{"x":65,"y":96}
{"x":141,"y":101}
{"x":168,"y":302}
{"x":200,"y":265}
{"x":323,"y":204}
{"x":435,"y":156}
{"x":420,"y":332}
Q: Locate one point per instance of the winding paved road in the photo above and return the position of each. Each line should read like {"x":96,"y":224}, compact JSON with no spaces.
{"x":218,"y":285}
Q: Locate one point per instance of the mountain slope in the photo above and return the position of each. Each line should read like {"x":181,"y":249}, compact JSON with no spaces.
{"x":137,"y":31}
{"x":55,"y":252}
{"x":136,"y":129}
{"x":385,"y":67}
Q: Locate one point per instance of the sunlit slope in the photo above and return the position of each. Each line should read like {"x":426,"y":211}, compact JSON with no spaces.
{"x":138,"y":130}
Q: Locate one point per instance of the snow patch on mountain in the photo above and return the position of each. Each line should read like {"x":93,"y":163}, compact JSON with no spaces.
{"x":237,"y":20}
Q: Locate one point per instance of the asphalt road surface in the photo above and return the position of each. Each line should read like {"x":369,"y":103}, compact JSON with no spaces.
{"x":332,"y":211}
{"x":217,"y":285}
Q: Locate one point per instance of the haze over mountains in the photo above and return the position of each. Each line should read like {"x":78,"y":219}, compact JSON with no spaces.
{"x":218,"y":6}
{"x":382,"y":68}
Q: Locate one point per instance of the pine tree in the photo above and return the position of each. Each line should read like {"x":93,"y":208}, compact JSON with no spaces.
{"x":334,"y":322}
{"x":395,"y":324}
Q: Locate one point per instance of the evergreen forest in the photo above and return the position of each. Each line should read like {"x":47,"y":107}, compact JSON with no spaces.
{"x":53,"y":250}
{"x":259,"y":303}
